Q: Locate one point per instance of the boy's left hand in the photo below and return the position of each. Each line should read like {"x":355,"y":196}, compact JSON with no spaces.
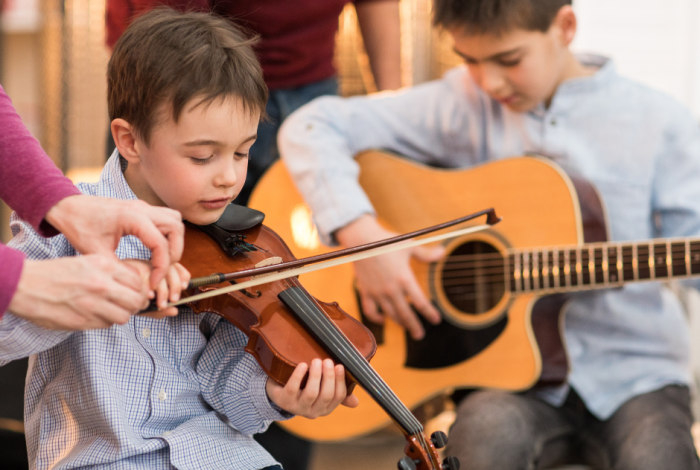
{"x":324,"y":390}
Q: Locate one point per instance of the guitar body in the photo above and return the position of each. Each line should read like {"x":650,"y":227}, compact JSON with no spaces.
{"x":506,"y":341}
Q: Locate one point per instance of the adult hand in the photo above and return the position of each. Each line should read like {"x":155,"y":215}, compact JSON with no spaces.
{"x":78,"y":293}
{"x":96,"y":224}
{"x":386,"y":283}
{"x":169,"y":289}
{"x":324,"y":391}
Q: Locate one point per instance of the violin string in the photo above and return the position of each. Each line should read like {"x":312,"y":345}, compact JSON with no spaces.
{"x":370,"y":376}
{"x":361,"y":363}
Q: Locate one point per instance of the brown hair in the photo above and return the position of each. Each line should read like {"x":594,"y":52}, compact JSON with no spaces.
{"x":496,"y":16}
{"x":165,"y":56}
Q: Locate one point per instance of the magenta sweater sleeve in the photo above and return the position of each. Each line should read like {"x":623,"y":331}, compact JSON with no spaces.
{"x":30,"y":184}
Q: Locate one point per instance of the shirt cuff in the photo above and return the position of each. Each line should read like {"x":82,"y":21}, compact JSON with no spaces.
{"x":263,"y":405}
{"x":11,"y":263}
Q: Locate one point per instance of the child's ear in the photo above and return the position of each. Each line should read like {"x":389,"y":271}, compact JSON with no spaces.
{"x":125,"y":140}
{"x":565,"y":22}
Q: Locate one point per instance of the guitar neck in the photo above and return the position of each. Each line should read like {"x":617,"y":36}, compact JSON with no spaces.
{"x":600,"y":265}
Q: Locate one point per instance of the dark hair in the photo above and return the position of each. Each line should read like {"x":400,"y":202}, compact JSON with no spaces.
{"x":496,"y":16}
{"x":165,"y":56}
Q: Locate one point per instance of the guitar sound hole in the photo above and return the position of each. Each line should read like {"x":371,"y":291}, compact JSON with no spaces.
{"x":473,"y":277}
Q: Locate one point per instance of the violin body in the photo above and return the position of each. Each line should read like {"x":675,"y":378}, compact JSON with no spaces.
{"x":276,"y":338}
{"x":287,"y":326}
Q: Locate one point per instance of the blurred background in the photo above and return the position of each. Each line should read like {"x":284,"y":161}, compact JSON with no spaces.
{"x":53,"y":59}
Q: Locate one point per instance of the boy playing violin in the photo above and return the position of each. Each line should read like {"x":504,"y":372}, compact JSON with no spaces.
{"x":185,"y":96}
{"x":626,"y":401}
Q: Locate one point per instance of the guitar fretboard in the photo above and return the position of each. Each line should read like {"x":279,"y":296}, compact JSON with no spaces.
{"x":600,"y":265}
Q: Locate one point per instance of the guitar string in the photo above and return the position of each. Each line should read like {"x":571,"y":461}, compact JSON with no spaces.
{"x":487,"y":286}
{"x":498,"y":267}
{"x":585,"y":259}
{"x":539,"y":250}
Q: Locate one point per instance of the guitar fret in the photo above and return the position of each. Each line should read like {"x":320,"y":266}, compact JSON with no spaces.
{"x":526,"y":271}
{"x":678,"y":261}
{"x":695,"y":257}
{"x":606,"y":273}
{"x":620,"y":265}
{"x":596,"y":265}
{"x":545,"y":269}
{"x":599,"y":277}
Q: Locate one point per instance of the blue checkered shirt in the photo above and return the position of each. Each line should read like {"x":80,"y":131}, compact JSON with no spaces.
{"x":152,"y":394}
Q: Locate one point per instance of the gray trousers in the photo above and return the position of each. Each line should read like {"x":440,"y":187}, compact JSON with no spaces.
{"x":503,"y":431}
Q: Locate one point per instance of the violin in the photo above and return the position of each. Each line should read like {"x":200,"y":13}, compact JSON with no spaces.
{"x":286,"y":325}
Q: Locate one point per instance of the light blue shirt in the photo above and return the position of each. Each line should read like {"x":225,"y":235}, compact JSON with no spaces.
{"x":640,"y":148}
{"x":152,"y":394}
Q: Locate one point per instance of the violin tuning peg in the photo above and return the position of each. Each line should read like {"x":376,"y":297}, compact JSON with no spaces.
{"x":450,"y":463}
{"x":407,"y":463}
{"x":439,"y":439}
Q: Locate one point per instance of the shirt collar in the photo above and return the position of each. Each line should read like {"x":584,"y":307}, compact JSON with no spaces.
{"x":112,"y":182}
{"x":604,"y":75}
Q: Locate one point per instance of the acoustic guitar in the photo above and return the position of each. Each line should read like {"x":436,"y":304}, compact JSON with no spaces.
{"x":501,"y":292}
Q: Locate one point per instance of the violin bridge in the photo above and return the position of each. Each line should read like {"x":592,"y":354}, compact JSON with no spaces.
{"x":267,"y":262}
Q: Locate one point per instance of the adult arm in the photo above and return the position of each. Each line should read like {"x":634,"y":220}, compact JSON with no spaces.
{"x":30,"y":183}
{"x":381,"y":31}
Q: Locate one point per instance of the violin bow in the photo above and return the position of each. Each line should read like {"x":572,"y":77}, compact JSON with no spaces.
{"x":294,"y":268}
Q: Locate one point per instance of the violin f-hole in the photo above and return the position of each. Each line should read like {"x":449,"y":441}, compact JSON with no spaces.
{"x":251,"y":294}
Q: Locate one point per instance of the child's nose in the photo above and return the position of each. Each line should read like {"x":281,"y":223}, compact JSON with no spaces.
{"x":227,"y":175}
{"x":491,"y":80}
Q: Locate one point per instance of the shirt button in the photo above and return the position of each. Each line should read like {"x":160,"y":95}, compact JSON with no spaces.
{"x":162,"y":395}
{"x":146,"y":332}
{"x":167,"y":433}
{"x":553,"y":122}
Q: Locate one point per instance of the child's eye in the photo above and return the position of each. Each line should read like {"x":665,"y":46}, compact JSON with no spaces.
{"x":201,"y":161}
{"x":509,"y":63}
{"x":241,"y":155}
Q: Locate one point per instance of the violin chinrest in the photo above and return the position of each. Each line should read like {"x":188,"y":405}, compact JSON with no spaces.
{"x":236,"y":218}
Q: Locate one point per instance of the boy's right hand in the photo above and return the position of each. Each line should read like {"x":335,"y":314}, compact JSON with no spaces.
{"x":386,"y":283}
{"x":169,"y":288}
{"x":78,"y":293}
